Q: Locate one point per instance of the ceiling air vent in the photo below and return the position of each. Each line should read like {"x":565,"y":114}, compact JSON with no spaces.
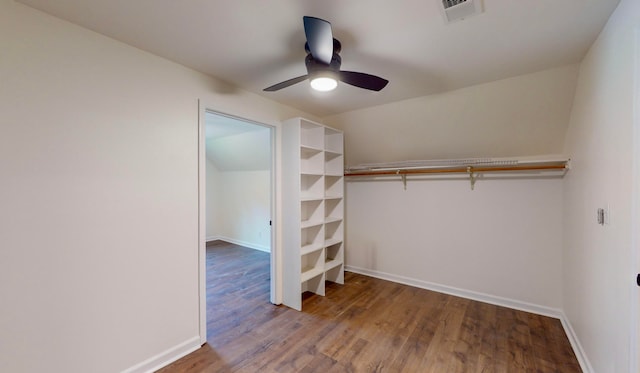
{"x":456,"y":10}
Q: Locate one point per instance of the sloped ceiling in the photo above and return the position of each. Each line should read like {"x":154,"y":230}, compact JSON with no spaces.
{"x":498,"y":84}
{"x":253,"y":44}
{"x":236,"y":145}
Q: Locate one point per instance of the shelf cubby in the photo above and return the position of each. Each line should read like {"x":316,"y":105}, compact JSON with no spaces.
{"x":333,"y":208}
{"x":333,"y":186}
{"x":334,"y":254}
{"x":333,"y":140}
{"x":311,"y":264}
{"x":333,"y":164}
{"x":311,"y":161}
{"x":311,"y":186}
{"x":334,"y":262}
{"x":311,"y":213}
{"x":333,"y":231}
{"x":311,"y":236}
{"x":311,"y":135}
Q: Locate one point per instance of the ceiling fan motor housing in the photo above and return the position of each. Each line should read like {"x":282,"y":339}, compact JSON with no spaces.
{"x":337,"y":46}
{"x":314,"y":66}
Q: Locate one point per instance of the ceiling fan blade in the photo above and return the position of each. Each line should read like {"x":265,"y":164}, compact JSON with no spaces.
{"x":285,"y":84}
{"x":362,"y":80}
{"x":319,"y":38}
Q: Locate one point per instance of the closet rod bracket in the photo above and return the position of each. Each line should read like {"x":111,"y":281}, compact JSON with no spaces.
{"x":404,"y":178}
{"x":472,"y":177}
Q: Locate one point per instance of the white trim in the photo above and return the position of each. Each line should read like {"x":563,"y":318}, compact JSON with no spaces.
{"x":167,"y":357}
{"x":585,"y":365}
{"x":276,"y":194}
{"x":634,"y":341}
{"x":481,"y":297}
{"x":202,"y":229}
{"x":246,"y":244}
{"x":275,"y":286}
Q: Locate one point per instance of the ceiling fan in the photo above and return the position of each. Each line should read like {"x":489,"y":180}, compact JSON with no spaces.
{"x":323,"y":62}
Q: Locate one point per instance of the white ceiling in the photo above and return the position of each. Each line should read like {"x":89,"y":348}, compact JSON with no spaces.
{"x":253,"y":44}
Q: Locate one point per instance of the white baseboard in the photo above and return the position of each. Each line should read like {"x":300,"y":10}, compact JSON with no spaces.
{"x":481,"y":297}
{"x":167,"y":357}
{"x":250,"y":245}
{"x":575,"y":344}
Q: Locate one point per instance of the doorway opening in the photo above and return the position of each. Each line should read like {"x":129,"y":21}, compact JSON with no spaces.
{"x":236,"y":202}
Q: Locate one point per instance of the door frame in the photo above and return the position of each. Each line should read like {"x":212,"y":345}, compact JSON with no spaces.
{"x":635,"y":213}
{"x":276,"y":257}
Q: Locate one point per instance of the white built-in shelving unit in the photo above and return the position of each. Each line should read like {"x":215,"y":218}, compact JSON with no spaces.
{"x":313,"y":208}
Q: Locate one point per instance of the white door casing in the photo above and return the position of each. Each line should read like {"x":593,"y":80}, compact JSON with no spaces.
{"x":275,"y":260}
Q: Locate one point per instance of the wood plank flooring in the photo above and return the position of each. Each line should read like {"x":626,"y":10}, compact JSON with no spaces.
{"x":366,"y":325}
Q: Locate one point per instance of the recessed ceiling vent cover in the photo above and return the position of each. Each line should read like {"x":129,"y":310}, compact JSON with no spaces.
{"x":456,"y":10}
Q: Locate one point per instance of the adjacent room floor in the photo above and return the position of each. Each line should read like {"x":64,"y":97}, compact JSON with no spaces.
{"x":366,"y":325}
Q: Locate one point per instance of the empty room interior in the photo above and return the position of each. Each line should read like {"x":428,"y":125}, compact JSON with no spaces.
{"x":461,"y":195}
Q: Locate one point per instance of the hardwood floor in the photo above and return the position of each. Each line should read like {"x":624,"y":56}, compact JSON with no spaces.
{"x":366,"y":325}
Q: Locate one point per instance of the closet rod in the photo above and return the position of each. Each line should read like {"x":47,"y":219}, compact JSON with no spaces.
{"x":462,"y":169}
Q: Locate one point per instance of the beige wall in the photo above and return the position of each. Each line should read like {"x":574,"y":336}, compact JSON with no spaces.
{"x":500,"y":243}
{"x":240,"y":207}
{"x":599,"y":268}
{"x":99,"y":203}
{"x":521,"y":116}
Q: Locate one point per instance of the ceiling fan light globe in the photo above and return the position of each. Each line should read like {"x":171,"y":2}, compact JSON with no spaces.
{"x":324,"y":84}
